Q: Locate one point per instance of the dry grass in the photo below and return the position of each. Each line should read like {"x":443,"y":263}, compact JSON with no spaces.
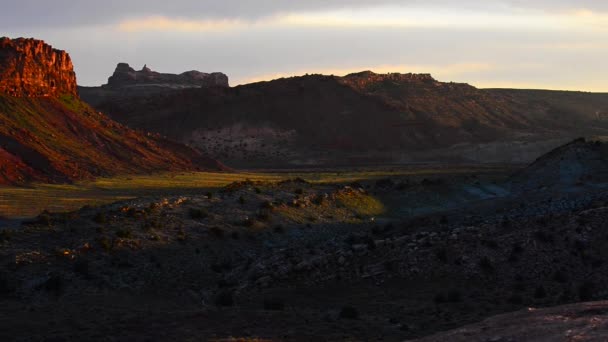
{"x":20,"y":202}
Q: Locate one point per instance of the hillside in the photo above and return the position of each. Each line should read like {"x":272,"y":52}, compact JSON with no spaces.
{"x":359,"y":119}
{"x":388,"y":257}
{"x":48,"y":134}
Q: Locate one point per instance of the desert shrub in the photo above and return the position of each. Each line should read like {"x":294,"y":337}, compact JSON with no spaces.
{"x":439,"y":298}
{"x":124,"y":233}
{"x":517,"y":249}
{"x":540,"y":292}
{"x":267,"y":205}
{"x":257,"y":190}
{"x":543,"y":236}
{"x":55,"y":284}
{"x":100,"y":218}
{"x":209,"y":195}
{"x":181,"y":235}
{"x":131,"y":212}
{"x":299,"y":191}
{"x":349,"y":312}
{"x":490,"y":243}
{"x":224,"y":298}
{"x":586,"y":291}
{"x":385,"y":183}
{"x":6,"y":287}
{"x":486,"y":265}
{"x":105,"y":243}
{"x":217,"y":232}
{"x":454,"y":296}
{"x":274,"y":304}
{"x":515,"y":299}
{"x":242,"y":200}
{"x":263,"y":216}
{"x":560,"y":276}
{"x":81,"y":267}
{"x":5,"y":235}
{"x":318,"y":199}
{"x":44,"y":218}
{"x":198,"y":213}
{"x":442,"y":255}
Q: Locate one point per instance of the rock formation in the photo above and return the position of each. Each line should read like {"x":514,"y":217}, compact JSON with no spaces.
{"x":32,"y":68}
{"x":125,"y":76}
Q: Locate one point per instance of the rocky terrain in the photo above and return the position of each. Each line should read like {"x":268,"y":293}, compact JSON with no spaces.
{"x":31,"y":68}
{"x":361,"y":119}
{"x":576,"y":322}
{"x":300,"y":261}
{"x":48,"y":134}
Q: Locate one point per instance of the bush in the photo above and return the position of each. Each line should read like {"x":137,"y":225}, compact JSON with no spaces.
{"x":6,"y":287}
{"x":267,"y":205}
{"x":263,"y":216}
{"x":486,"y":265}
{"x":349,"y":312}
{"x":241,"y":200}
{"x":5,"y":235}
{"x":515,"y":299}
{"x":217,"y":232}
{"x":543,"y":236}
{"x":55,"y":284}
{"x":274,"y":304}
{"x":540,"y":292}
{"x":44,"y":218}
{"x":454,"y":296}
{"x":100,"y":218}
{"x":586,"y":291}
{"x":81,"y":267}
{"x":125,"y":233}
{"x":198,"y":213}
{"x":105,"y":243}
{"x":299,"y":191}
{"x":442,"y":255}
{"x":209,"y":195}
{"x":224,"y":298}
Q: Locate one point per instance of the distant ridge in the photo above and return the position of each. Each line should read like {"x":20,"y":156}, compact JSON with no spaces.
{"x":363,"y":118}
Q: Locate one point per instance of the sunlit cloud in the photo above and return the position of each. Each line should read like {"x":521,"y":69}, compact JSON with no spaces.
{"x":160,"y":23}
{"x":385,"y":17}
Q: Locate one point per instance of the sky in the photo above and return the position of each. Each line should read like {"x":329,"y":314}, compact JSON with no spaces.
{"x":549,"y":44}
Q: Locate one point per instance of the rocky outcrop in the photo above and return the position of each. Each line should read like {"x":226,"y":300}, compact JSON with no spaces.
{"x":32,"y":68}
{"x":575,"y":322}
{"x":125,"y":76}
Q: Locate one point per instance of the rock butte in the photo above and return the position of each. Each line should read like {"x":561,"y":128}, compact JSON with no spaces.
{"x":32,"y":68}
{"x":125,"y":76}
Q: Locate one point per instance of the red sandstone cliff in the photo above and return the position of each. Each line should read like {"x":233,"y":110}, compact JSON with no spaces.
{"x":52,"y":136}
{"x":32,"y":68}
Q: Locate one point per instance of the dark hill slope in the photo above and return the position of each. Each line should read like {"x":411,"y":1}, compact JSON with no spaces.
{"x":360,"y":118}
{"x":56,"y":140}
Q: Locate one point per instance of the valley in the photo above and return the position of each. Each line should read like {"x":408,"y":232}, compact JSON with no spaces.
{"x":366,"y":207}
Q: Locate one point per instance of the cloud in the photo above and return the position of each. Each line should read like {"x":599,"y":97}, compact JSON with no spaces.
{"x":69,"y":13}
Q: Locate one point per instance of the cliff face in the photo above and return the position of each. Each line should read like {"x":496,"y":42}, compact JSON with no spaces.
{"x":125,"y":76}
{"x":32,"y":68}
